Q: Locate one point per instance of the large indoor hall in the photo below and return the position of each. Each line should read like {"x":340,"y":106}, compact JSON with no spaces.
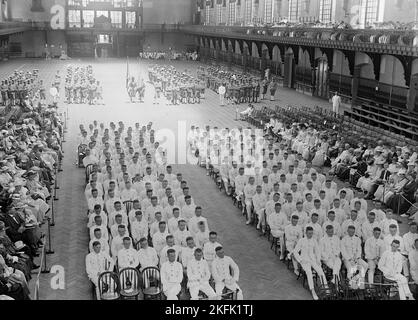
{"x":208,"y":150}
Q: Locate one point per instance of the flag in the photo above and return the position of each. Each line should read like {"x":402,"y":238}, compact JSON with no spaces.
{"x":127,"y":72}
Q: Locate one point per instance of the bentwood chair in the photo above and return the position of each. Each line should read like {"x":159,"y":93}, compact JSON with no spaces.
{"x":89,"y":170}
{"x":81,"y":153}
{"x":128,"y":205}
{"x":109,"y":286}
{"x":129,"y":283}
{"x":151,"y":283}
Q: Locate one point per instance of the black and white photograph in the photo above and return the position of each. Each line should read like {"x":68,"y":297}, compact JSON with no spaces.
{"x":208,"y":154}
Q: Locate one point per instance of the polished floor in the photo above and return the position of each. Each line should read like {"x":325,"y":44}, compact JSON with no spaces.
{"x":262,"y":275}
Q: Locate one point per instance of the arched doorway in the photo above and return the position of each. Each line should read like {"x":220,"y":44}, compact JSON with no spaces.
{"x":321,"y":79}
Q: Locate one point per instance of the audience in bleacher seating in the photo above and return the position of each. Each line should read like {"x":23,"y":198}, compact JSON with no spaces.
{"x":30,"y":156}
{"x":350,"y":234}
{"x":169,"y":55}
{"x":141,"y":214}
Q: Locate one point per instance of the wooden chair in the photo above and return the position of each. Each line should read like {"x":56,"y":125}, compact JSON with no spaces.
{"x":89,"y":171}
{"x":128,"y":205}
{"x":81,"y":153}
{"x":151,"y":283}
{"x":129,"y":283}
{"x":109,"y":286}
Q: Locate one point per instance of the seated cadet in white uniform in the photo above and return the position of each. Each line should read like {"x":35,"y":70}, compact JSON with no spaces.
{"x":170,"y":244}
{"x":307,"y":253}
{"x":293,"y":233}
{"x":195,"y":220}
{"x":277,"y":222}
{"x":95,"y":199}
{"x":153,"y":227}
{"x":97,"y":212}
{"x":147,"y":255}
{"x":139,"y":227}
{"x":373,"y":251}
{"x":202,"y":235}
{"x":159,"y":238}
{"x":394,"y":235}
{"x":391,"y":265}
{"x":181,"y":233}
{"x":186,"y":253}
{"x":330,"y":248}
{"x":118,"y":222}
{"x":317,"y":230}
{"x":98,"y":237}
{"x":171,"y":276}
{"x":198,"y":275}
{"x":173,"y":222}
{"x":209,"y":248}
{"x":368,"y":226}
{"x":117,"y":241}
{"x":332,"y":221}
{"x":127,"y":256}
{"x":98,"y":262}
{"x":249,"y":192}
{"x":98,"y":224}
{"x":259,"y":203}
{"x":351,"y":253}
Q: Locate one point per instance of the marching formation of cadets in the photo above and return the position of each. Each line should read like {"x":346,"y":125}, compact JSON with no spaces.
{"x":177,"y":87}
{"x":316,"y":225}
{"x":30,"y":153}
{"x":162,"y":227}
{"x":20,"y":86}
{"x":81,"y":87}
{"x":136,"y":89}
{"x":240,"y":88}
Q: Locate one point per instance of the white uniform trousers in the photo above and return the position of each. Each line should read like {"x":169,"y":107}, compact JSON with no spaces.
{"x":334,"y":264}
{"x":195,"y":287}
{"x":403,"y":286}
{"x":171,"y":290}
{"x":307,"y":266}
{"x":233,"y":286}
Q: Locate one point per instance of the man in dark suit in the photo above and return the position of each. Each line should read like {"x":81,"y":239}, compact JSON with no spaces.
{"x":15,"y":229}
{"x":383,"y":178}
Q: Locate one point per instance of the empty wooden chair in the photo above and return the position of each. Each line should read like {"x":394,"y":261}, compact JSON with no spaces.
{"x":109,"y":286}
{"x":129,"y":283}
{"x":151,"y":283}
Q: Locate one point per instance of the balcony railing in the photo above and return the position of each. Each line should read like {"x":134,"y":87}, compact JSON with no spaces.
{"x":392,"y":41}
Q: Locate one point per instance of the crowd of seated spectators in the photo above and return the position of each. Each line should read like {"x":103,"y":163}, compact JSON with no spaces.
{"x":141,"y":215}
{"x":169,"y":55}
{"x":280,"y":181}
{"x":30,"y":153}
